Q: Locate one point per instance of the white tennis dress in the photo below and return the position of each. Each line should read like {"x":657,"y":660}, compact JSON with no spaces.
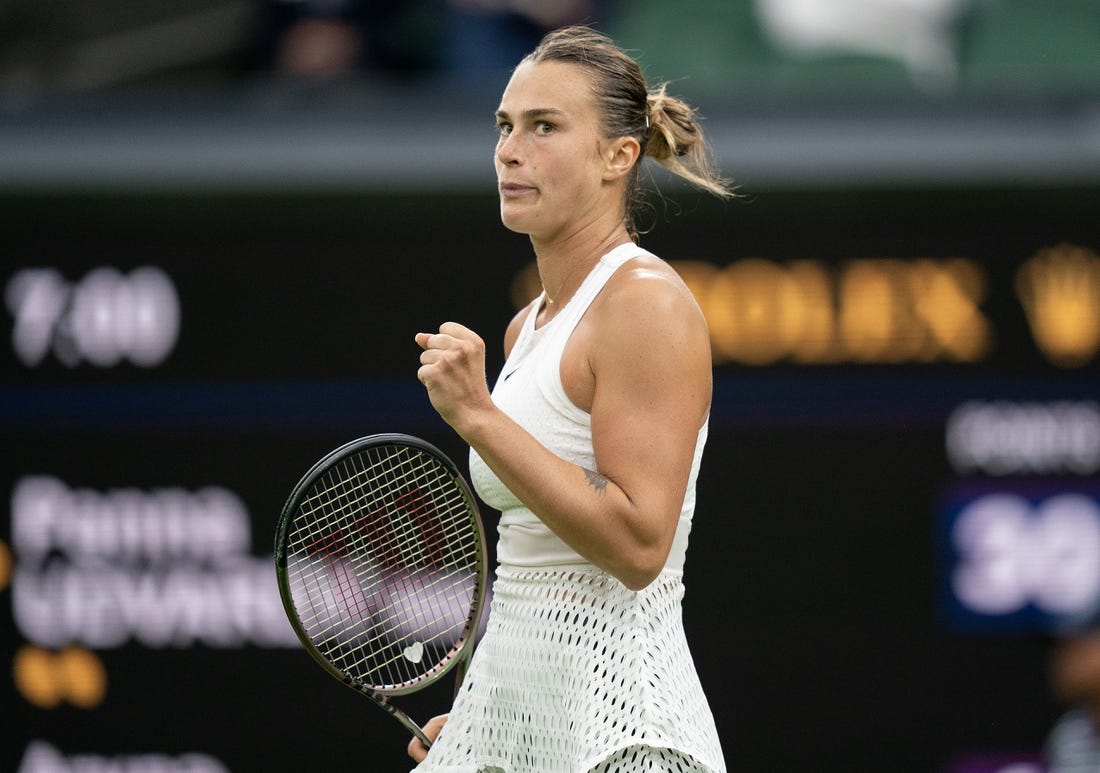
{"x":576,"y":673}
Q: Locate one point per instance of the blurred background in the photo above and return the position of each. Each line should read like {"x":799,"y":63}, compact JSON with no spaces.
{"x":222,"y":221}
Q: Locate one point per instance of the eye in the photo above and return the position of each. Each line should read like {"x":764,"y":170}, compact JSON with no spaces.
{"x":504,"y":128}
{"x":544,"y":127}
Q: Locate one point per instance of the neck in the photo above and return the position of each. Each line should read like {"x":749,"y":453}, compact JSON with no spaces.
{"x":564,"y":265}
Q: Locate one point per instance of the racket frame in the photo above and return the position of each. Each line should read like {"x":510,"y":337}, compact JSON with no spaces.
{"x":459,"y":656}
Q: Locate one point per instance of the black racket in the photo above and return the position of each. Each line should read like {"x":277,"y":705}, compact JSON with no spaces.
{"x":380,"y":558}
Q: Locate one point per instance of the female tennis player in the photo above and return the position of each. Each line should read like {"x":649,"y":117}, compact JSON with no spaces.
{"x":590,"y":442}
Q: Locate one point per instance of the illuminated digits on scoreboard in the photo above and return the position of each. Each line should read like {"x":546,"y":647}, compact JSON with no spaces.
{"x":1012,"y":553}
{"x":105,"y":318}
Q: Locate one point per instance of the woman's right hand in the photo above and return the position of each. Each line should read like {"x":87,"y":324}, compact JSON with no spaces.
{"x":452,"y":369}
{"x":417,"y":750}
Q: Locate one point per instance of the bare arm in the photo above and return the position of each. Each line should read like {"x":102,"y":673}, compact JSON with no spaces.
{"x":648,"y":383}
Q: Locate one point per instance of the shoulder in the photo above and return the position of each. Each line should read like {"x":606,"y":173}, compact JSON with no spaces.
{"x":647,"y":291}
{"x":648,"y":314}
{"x":644,"y":339}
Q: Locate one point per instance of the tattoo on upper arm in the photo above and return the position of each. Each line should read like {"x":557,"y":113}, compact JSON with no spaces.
{"x":596,"y":481}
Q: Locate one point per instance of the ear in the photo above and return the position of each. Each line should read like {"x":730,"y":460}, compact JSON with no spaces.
{"x":620,"y":156}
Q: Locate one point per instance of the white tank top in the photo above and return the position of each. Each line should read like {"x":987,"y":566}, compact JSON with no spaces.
{"x":530,"y":391}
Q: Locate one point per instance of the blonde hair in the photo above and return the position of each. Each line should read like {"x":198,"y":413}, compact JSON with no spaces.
{"x":667,"y":128}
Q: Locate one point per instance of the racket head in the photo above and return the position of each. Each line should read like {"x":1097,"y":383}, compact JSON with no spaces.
{"x":381,"y":564}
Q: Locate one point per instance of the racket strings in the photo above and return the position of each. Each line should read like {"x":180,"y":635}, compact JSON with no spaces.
{"x":365,"y":657}
{"x":385,"y":560}
{"x":401,"y":554}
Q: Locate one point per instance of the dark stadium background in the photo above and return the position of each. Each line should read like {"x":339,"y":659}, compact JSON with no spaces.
{"x":310,"y":227}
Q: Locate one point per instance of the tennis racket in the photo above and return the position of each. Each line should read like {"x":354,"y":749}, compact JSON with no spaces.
{"x":381,"y":564}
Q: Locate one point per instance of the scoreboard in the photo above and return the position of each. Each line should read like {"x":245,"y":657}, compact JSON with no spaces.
{"x":898,"y":506}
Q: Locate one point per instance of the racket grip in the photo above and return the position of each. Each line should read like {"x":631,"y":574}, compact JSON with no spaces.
{"x":401,"y":717}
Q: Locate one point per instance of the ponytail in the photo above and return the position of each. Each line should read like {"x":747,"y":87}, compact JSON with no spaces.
{"x":675,"y":140}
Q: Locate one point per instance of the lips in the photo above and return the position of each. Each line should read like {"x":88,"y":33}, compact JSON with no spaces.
{"x":513,"y":190}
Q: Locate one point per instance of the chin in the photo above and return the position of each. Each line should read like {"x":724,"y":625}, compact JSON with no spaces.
{"x":513,"y":221}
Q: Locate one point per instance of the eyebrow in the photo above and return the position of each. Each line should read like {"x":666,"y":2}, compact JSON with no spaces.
{"x":534,"y":113}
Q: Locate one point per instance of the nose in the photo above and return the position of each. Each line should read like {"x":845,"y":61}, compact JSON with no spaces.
{"x":508,"y":150}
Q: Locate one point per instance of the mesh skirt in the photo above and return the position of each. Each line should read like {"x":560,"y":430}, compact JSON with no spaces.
{"x":576,"y":673}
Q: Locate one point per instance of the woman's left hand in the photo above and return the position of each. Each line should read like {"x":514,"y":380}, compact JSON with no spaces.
{"x":417,"y":750}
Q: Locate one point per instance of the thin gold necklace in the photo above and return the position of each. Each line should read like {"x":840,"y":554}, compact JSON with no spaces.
{"x":549,"y":300}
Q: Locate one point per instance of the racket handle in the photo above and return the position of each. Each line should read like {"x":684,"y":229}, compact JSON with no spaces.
{"x":401,"y":717}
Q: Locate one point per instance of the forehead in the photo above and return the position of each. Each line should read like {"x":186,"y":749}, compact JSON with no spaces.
{"x":561,"y":86}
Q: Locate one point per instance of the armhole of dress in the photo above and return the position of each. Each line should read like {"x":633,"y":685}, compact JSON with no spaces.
{"x":523,"y":338}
